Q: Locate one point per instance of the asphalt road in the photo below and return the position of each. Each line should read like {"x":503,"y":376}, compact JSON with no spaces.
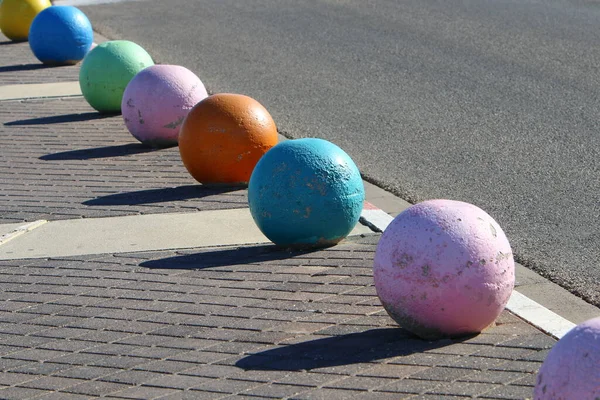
{"x":493,"y":102}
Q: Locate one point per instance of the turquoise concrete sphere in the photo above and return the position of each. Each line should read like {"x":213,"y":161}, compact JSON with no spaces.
{"x":107,"y":70}
{"x":307,"y":193}
{"x":60,"y":35}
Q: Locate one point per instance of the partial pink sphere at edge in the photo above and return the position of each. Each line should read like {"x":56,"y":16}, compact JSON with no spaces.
{"x":572,"y":368}
{"x":444,"y":268}
{"x":157,"y":100}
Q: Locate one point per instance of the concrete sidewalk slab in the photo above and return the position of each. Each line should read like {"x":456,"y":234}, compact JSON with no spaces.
{"x":39,"y":90}
{"x":86,"y":236}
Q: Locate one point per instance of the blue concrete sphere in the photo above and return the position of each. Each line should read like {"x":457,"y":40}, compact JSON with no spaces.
{"x":306,"y":192}
{"x":60,"y":35}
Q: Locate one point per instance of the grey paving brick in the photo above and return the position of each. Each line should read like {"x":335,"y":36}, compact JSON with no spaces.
{"x":381,"y":396}
{"x":310,"y":379}
{"x":193,"y":395}
{"x":67,"y":346}
{"x":8,"y":364}
{"x":537,"y":356}
{"x":145,"y":393}
{"x":226,"y":386}
{"x":509,"y":393}
{"x":410,"y":386}
{"x":13,"y":378}
{"x":393,"y":371}
{"x":20,"y":393}
{"x":18,"y":329}
{"x":166,"y":366}
{"x":99,"y":336}
{"x":37,"y":354}
{"x":521,"y":366}
{"x":178,"y":381}
{"x":442,"y":373}
{"x":64,"y":396}
{"x":51,"y":383}
{"x":326,"y":394}
{"x":438,"y":397}
{"x":276,"y":391}
{"x":96,"y":388}
{"x":359,"y":383}
{"x":495,"y":376}
{"x":461,"y":389}
{"x":38,"y":368}
{"x":527,"y":380}
{"x":200,"y":357}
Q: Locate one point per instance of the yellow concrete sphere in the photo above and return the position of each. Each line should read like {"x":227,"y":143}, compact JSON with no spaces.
{"x":16,"y":16}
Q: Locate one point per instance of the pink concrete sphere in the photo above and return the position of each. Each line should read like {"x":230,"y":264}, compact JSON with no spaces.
{"x":156,"y":102}
{"x":572,"y":368}
{"x":444,"y":268}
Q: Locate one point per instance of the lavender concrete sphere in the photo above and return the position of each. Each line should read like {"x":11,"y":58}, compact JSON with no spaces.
{"x":60,"y":35}
{"x":156,"y":102}
{"x":572,"y":368}
{"x":444,"y":268}
{"x":306,"y":192}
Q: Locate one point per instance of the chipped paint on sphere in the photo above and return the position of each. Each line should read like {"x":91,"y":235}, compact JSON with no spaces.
{"x":60,"y":35}
{"x":572,"y":368}
{"x":444,"y":268}
{"x":306,"y":192}
{"x":156,"y":102}
{"x":224,"y":136}
{"x":106,"y":71}
{"x":16,"y":17}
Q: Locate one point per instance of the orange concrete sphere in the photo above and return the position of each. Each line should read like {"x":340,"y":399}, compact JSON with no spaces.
{"x":223,"y":137}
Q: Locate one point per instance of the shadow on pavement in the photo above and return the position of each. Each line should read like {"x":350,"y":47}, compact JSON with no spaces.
{"x":161,"y":195}
{"x":24,"y":67}
{"x":355,"y":348}
{"x":99,"y":152}
{"x":223,"y":258}
{"x":60,"y":119}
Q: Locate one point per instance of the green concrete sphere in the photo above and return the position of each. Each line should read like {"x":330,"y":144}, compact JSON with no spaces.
{"x":107,"y":69}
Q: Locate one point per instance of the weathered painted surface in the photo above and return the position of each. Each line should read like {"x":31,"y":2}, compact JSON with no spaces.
{"x":107,"y":70}
{"x":572,"y":368}
{"x":306,"y":192}
{"x":224,"y":136}
{"x":444,"y":268}
{"x":16,"y":17}
{"x":60,"y":35}
{"x":157,"y":100}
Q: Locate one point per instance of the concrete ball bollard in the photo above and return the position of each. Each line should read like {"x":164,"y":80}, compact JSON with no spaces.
{"x":60,"y":35}
{"x":156,"y":102}
{"x":107,"y":70}
{"x":572,"y":368}
{"x":444,"y":268}
{"x":223,"y":137}
{"x":306,"y":193}
{"x":16,"y":17}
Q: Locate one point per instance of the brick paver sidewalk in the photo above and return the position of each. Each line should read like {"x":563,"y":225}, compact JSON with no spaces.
{"x":206,"y":323}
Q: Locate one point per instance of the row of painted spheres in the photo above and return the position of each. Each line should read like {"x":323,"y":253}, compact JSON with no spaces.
{"x":442,"y":268}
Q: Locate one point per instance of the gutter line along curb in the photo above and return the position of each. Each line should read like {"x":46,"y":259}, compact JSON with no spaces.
{"x":522,"y":306}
